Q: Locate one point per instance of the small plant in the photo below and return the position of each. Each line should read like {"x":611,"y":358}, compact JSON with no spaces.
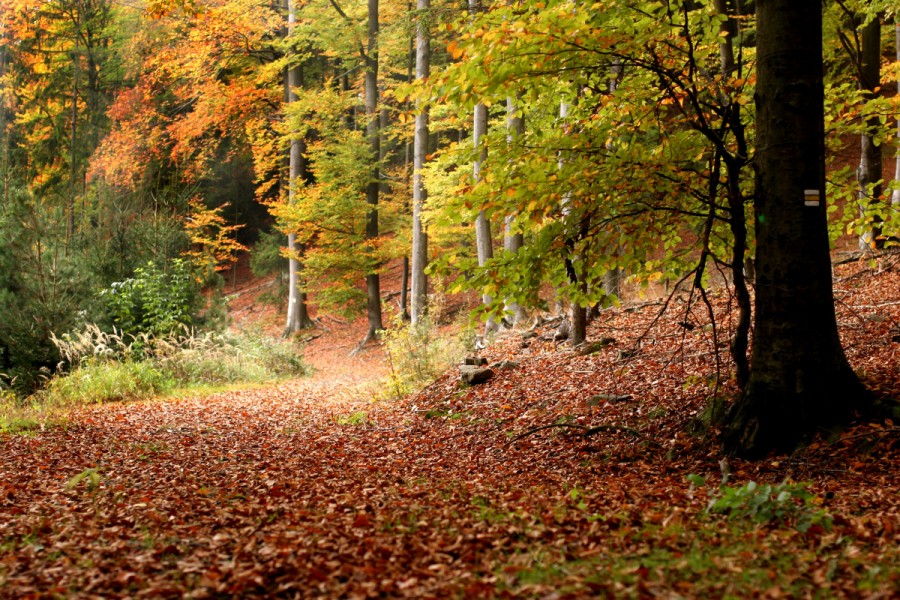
{"x":89,"y":477}
{"x":354,"y":419}
{"x":786,"y":502}
{"x":109,"y":367}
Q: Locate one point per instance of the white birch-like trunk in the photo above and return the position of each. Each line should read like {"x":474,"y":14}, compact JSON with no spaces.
{"x":419,"y":283}
{"x":292,"y":324}
{"x":483,"y":242}
{"x":513,"y":241}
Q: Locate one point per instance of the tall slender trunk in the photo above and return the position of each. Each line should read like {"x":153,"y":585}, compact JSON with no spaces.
{"x":373,"y":133}
{"x":612,"y":279}
{"x":419,"y":282}
{"x":483,"y":241}
{"x":513,"y":240}
{"x":297,"y":312}
{"x":869,"y":172}
{"x":73,"y":156}
{"x":734,"y":165}
{"x":578,"y":314}
{"x":895,"y":195}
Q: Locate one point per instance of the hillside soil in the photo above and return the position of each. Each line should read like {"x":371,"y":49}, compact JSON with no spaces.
{"x":567,"y":474}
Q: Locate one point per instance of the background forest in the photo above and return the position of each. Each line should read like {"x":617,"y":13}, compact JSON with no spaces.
{"x":704,"y":193}
{"x":534,"y":152}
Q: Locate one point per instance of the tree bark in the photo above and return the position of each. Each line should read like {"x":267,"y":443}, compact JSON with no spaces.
{"x":373,"y":133}
{"x":800,"y":379}
{"x":612,"y":279}
{"x":734,"y":165}
{"x":869,"y":172}
{"x":297,"y":312}
{"x":483,"y":241}
{"x":419,"y":290}
{"x":513,"y":241}
{"x":895,"y":195}
{"x":577,"y":325}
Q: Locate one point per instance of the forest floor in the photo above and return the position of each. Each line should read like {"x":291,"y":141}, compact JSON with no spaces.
{"x":565,"y":475}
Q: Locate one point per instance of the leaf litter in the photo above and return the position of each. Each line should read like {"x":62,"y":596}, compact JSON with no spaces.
{"x":569,"y":474}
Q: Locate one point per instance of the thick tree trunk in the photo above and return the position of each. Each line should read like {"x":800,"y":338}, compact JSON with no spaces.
{"x":800,"y":379}
{"x":419,"y":290}
{"x":869,"y":172}
{"x":373,"y":133}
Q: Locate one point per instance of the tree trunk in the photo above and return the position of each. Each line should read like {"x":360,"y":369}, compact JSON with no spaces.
{"x":73,"y":143}
{"x":513,"y":241}
{"x":800,"y":379}
{"x":577,"y":326}
{"x":404,"y":289}
{"x":419,"y":290}
{"x":373,"y":133}
{"x":483,"y":242}
{"x":869,"y":172}
{"x":734,"y":165}
{"x":612,"y":279}
{"x":895,"y":195}
{"x":297,"y":313}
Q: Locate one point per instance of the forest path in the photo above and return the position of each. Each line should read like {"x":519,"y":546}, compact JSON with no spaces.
{"x":309,"y":488}
{"x":277,"y":491}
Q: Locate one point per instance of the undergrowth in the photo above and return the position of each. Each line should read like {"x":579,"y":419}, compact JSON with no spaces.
{"x":418,"y":354}
{"x":99,"y":366}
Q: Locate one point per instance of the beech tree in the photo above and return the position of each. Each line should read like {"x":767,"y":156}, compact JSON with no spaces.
{"x":895,"y":195}
{"x":419,"y":283}
{"x":800,"y":379}
{"x":297,"y":313}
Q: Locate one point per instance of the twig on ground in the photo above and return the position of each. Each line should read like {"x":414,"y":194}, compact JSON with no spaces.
{"x":588,"y":431}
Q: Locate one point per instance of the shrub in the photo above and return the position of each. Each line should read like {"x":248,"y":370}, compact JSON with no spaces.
{"x":215,"y":358}
{"x":418,"y":354}
{"x":155,"y":301}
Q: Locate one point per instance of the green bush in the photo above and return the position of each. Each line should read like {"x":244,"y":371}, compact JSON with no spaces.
{"x":156,"y":301}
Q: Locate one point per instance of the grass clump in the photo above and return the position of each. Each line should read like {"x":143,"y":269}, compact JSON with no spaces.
{"x":96,"y":381}
{"x":100,"y":366}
